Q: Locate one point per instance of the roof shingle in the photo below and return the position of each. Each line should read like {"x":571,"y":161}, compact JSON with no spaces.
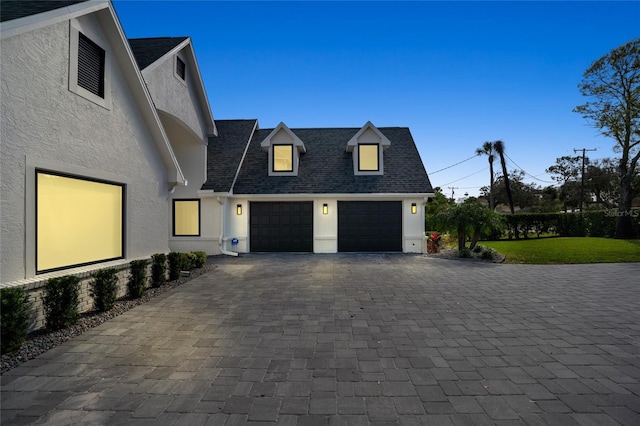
{"x":10,"y":10}
{"x":326,"y":167}
{"x":148,"y":50}
{"x":224,"y":153}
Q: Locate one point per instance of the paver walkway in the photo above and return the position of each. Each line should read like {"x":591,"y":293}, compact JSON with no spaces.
{"x":353,"y":339}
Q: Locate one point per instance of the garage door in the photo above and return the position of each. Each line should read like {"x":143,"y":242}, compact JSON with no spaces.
{"x":369,"y":226}
{"x":281,"y":226}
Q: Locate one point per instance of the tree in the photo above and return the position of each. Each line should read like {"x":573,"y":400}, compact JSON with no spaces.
{"x":566,"y":168}
{"x":469,"y":219}
{"x":612,"y":85}
{"x":435,"y":205}
{"x":498,"y":146}
{"x":601,"y":180}
{"x":522,"y":194}
{"x":566,"y":172}
{"x":487,"y":149}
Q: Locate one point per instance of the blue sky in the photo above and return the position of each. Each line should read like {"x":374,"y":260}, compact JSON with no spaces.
{"x":456,"y":73}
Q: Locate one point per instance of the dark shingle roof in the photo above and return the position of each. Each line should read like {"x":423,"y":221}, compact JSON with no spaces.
{"x":149,"y":50}
{"x":10,"y":10}
{"x":326,"y":167}
{"x":224,"y":153}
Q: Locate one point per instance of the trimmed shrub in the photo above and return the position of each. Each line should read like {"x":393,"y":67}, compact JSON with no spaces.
{"x":14,"y":318}
{"x":158,"y":269}
{"x":478,"y":249}
{"x":465,"y":253}
{"x":60,"y":302}
{"x":488,"y":254}
{"x":174,"y":265}
{"x":187,"y":261}
{"x":200,"y":259}
{"x":104,"y":289}
{"x":137,"y":279}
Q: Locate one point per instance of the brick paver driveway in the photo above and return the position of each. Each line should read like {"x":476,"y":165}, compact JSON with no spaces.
{"x":350,"y":340}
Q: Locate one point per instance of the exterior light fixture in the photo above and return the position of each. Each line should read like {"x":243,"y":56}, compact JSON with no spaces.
{"x":239,"y":209}
{"x":414,"y":208}
{"x":325,"y":208}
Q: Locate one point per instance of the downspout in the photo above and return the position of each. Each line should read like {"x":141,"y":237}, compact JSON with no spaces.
{"x":221,"y":201}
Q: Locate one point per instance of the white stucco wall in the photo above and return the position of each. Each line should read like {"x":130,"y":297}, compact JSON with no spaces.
{"x":413,"y":239}
{"x":176,"y":97}
{"x":210,"y":226}
{"x":44,"y":123}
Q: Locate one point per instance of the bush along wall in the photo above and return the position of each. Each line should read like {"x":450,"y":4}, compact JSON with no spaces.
{"x":60,"y":302}
{"x":138,"y":278}
{"x":104,"y":289}
{"x":174,"y":265}
{"x":158,"y":269}
{"x":14,"y":318}
{"x":56,"y":304}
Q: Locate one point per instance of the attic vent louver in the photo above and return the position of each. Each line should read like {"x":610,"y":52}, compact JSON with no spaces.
{"x":180,"y":68}
{"x":90,"y":66}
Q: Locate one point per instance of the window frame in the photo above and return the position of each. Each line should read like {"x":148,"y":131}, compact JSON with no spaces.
{"x":173,"y":217}
{"x":123,"y":218}
{"x":273,"y":163}
{"x":377,"y":169}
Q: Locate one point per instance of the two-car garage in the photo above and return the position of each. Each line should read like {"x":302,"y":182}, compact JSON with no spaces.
{"x":363,"y":226}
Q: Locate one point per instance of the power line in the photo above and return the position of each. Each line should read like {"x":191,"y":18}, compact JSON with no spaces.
{"x":448,"y":167}
{"x":454,"y":181}
{"x":525,"y":172}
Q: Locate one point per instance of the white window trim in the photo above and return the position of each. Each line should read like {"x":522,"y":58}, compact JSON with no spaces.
{"x":353,"y":147}
{"x":74,"y":30}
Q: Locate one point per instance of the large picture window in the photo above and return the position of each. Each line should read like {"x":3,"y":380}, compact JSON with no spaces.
{"x":368,"y":158}
{"x":186,"y":218}
{"x":283,"y":158}
{"x":79,"y":221}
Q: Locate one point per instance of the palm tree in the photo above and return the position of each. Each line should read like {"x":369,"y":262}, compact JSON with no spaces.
{"x":498,"y":146}
{"x":487,"y":149}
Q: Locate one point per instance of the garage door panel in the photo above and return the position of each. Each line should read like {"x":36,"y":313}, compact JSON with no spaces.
{"x":369,"y":226}
{"x":281,"y":226}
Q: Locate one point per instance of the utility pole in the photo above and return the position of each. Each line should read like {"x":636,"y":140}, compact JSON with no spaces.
{"x":584,"y":150}
{"x":452,"y":188}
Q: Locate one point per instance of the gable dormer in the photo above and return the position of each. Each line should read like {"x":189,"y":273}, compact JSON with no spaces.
{"x":367,"y":147}
{"x":284,"y":149}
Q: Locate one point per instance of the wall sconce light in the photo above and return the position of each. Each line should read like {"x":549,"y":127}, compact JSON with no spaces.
{"x":325,"y":209}
{"x":239,"y":209}
{"x":414,"y":208}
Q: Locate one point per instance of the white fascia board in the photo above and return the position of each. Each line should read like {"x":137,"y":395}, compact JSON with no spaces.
{"x":204,"y":193}
{"x":142,"y":96}
{"x":41,"y":20}
{"x":384,"y":141}
{"x":202,"y":93}
{"x":346,"y":197}
{"x":297,"y":142}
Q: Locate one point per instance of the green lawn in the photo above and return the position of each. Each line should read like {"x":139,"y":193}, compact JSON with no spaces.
{"x":567,"y":250}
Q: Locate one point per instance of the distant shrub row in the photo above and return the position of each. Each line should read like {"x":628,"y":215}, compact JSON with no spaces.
{"x":588,"y":224}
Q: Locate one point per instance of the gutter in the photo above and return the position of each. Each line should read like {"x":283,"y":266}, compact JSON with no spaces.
{"x":221,"y":201}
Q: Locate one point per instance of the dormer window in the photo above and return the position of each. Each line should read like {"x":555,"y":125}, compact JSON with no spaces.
{"x":282,"y":158}
{"x":368,"y":159}
{"x":367,"y":147}
{"x":284,"y":149}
